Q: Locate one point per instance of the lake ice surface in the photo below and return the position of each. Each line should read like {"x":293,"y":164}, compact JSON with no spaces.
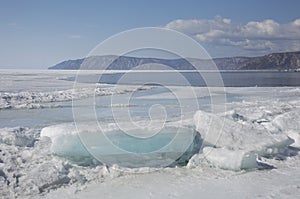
{"x":256,"y":153}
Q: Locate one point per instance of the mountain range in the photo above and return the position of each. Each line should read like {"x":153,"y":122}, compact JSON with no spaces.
{"x":274,"y":61}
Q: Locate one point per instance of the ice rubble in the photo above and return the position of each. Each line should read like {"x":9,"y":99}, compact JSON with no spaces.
{"x":27,"y":168}
{"x":18,"y":136}
{"x":33,"y":100}
{"x":229,"y":159}
{"x":289,"y":123}
{"x":230,"y":140}
{"x":296,"y":137}
{"x":220,"y":131}
{"x":237,"y":139}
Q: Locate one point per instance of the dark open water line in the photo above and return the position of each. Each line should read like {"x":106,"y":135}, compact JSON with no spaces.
{"x":228,"y":79}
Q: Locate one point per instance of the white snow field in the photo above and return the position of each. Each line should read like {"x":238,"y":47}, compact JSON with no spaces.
{"x":249,"y":151}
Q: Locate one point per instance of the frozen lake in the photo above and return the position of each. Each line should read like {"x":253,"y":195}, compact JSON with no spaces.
{"x":238,"y":134}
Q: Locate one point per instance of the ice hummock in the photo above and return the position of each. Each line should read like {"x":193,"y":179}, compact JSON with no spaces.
{"x":231,"y":144}
{"x":289,"y":123}
{"x":234,"y":145}
{"x":220,"y":131}
{"x":84,"y":142}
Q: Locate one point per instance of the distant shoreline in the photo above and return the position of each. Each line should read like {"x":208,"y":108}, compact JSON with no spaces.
{"x":285,"y":61}
{"x":140,"y":71}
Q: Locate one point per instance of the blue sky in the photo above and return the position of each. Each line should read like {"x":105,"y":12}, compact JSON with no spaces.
{"x":38,"y":34}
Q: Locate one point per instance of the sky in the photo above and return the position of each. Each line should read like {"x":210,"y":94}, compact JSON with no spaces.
{"x":39,"y":34}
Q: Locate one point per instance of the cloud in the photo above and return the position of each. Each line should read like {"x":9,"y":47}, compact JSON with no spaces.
{"x":260,"y":36}
{"x":74,"y":36}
